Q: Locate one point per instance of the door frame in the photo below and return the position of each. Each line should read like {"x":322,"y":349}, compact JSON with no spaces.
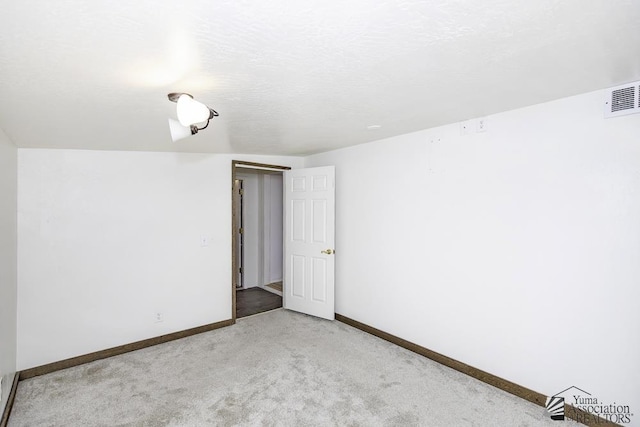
{"x":238,"y":190}
{"x":234,"y":221}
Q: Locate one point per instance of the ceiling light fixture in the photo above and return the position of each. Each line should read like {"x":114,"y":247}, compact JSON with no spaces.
{"x":190,"y":113}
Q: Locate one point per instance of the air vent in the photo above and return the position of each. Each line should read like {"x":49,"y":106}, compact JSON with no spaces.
{"x":622,"y":100}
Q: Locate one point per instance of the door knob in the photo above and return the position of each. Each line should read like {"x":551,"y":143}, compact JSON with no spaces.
{"x":328,"y":251}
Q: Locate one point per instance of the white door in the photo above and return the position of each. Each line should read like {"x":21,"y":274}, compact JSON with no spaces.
{"x":309,"y":221}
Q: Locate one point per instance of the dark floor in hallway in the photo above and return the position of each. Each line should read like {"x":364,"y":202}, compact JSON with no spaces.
{"x":256,"y":300}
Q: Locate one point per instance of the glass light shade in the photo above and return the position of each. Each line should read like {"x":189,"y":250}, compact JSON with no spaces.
{"x":191,"y":111}
{"x":178,"y":131}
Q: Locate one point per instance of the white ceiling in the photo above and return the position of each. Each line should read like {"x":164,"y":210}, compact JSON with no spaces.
{"x":291,"y":76}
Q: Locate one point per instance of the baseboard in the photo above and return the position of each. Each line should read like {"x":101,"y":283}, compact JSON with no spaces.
{"x":12,"y":396}
{"x":103,"y":354}
{"x":508,"y":386}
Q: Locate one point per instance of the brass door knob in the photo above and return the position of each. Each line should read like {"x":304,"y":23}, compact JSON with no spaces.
{"x":328,"y":251}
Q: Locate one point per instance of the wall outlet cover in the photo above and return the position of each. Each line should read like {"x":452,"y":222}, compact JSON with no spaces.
{"x":482,"y":125}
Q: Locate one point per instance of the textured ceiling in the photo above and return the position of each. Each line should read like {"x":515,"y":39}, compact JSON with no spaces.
{"x":295,"y":77}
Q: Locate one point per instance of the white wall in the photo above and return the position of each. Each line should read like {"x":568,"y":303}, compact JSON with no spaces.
{"x":273,"y":231}
{"x":109,"y":239}
{"x":8,"y":263}
{"x":516,"y":251}
{"x":262,"y":206}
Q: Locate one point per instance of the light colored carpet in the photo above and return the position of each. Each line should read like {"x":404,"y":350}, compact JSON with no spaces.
{"x":277,"y":368}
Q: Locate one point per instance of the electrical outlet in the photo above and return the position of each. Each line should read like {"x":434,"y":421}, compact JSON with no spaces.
{"x":159,"y":317}
{"x":482,"y":125}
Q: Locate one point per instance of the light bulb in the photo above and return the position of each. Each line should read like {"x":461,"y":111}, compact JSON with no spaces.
{"x":191,"y":111}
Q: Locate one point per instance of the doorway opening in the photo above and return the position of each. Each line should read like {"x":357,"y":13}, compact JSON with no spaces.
{"x":257,"y":243}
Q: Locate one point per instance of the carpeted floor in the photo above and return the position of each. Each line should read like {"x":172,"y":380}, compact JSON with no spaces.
{"x":274,"y":369}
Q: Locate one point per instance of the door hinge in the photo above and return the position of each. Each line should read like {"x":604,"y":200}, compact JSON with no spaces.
{"x":240,"y":270}
{"x":241,"y":230}
{"x":241,"y":191}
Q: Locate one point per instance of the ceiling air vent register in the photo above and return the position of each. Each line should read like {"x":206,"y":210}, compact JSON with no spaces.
{"x":622,"y":100}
